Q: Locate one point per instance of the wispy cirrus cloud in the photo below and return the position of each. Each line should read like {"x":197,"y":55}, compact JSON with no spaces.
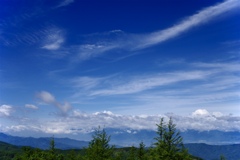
{"x":31,"y":106}
{"x":194,"y":84}
{"x":233,"y":66}
{"x":203,"y":16}
{"x":143,"y":83}
{"x":86,"y":82}
{"x":210,"y":77}
{"x":134,"y":42}
{"x":15,"y":29}
{"x":89,"y":51}
{"x":28,"y":37}
{"x":64,"y":3}
{"x":48,"y":37}
{"x":54,"y":39}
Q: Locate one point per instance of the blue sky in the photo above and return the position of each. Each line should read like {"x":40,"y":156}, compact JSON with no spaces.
{"x":104,"y":63}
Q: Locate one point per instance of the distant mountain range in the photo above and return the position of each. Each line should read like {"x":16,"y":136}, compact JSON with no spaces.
{"x":128,"y":137}
{"x":43,"y":143}
{"x":213,"y":152}
{"x":195,"y":142}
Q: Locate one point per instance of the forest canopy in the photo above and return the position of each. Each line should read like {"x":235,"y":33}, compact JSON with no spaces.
{"x":168,"y":145}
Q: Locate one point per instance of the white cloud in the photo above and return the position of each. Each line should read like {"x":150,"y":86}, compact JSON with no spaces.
{"x":5,"y":110}
{"x":200,"y":112}
{"x":31,"y":106}
{"x":17,"y":128}
{"x":79,"y":122}
{"x":64,"y":107}
{"x":48,"y":98}
{"x":217,"y":114}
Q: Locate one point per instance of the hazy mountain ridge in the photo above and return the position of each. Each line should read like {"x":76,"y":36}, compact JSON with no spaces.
{"x":213,"y":152}
{"x":128,"y":137}
{"x":211,"y":137}
{"x":43,"y":143}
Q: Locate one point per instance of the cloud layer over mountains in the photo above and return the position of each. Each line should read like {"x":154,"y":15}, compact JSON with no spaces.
{"x":79,"y":122}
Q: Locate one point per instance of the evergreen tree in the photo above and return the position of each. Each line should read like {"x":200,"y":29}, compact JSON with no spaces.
{"x":119,"y":155}
{"x":52,"y":152}
{"x":141,"y":151}
{"x":169,"y":145}
{"x":222,"y":157}
{"x":71,"y":155}
{"x":152,"y":154}
{"x":31,"y":154}
{"x":132,"y":154}
{"x":99,"y":148}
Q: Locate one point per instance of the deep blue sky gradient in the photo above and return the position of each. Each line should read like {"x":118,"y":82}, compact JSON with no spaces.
{"x":70,"y":57}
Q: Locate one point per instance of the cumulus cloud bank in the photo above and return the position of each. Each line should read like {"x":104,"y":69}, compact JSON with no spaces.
{"x":80,"y":122}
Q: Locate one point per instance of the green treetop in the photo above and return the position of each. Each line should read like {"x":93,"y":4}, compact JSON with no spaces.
{"x":169,"y":143}
{"x":99,"y":147}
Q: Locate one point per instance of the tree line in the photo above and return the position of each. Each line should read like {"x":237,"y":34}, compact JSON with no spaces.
{"x":168,"y":146}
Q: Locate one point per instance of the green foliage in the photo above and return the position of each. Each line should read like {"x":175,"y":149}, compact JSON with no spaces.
{"x":52,"y":152}
{"x":222,"y":157}
{"x":132,"y":154}
{"x":169,"y":145}
{"x":99,"y":147}
{"x":7,"y":151}
{"x":31,"y":154}
{"x":141,"y":151}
